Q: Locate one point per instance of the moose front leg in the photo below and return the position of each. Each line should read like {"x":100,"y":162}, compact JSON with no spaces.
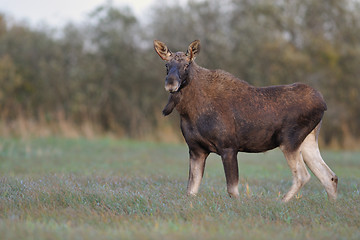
{"x":196,"y":170}
{"x":229,"y":159}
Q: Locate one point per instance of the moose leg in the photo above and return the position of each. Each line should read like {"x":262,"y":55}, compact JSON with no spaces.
{"x":229,"y":159}
{"x":312,"y":157}
{"x":196,"y":170}
{"x":298,"y":169}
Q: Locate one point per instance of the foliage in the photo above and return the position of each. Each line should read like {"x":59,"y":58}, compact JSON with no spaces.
{"x":105,"y":74}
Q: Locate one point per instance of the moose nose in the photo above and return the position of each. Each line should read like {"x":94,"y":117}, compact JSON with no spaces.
{"x":172,"y":83}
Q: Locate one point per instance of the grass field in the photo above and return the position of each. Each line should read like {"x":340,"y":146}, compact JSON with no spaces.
{"x":119,"y":189}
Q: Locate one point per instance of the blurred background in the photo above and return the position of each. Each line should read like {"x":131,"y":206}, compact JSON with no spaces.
{"x":88,"y":68}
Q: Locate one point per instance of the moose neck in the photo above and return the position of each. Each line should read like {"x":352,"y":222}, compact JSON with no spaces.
{"x":193,"y":76}
{"x":188,"y":95}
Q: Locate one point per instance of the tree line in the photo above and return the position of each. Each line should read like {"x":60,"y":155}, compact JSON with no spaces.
{"x":104,"y":73}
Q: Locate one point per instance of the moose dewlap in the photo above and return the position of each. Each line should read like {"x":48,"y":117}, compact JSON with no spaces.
{"x":222,"y":114}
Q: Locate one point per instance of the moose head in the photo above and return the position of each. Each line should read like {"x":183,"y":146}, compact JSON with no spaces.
{"x":177,"y":64}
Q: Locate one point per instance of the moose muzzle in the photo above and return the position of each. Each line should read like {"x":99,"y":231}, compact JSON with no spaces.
{"x":172,"y":81}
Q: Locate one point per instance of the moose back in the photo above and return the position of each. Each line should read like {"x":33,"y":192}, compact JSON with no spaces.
{"x":222,"y":114}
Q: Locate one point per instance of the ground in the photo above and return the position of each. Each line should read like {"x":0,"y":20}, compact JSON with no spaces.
{"x":55,"y":188}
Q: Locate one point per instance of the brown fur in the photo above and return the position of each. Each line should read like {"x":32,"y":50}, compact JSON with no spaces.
{"x":230,"y":113}
{"x":222,"y":114}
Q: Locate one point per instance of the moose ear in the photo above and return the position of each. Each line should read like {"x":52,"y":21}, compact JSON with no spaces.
{"x":162,"y":50}
{"x":193,"y":50}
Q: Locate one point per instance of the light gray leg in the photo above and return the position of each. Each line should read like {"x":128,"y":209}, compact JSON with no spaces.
{"x":196,"y":171}
{"x":298,"y":169}
{"x":312,"y":157}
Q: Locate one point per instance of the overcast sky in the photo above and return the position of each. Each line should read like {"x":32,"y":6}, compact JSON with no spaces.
{"x":59,"y":12}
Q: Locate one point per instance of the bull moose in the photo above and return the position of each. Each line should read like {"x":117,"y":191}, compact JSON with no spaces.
{"x":222,"y":114}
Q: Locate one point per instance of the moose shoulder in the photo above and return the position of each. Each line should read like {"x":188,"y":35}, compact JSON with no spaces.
{"x":222,"y":114}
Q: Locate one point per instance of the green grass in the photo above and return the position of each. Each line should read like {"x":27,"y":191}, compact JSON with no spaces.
{"x":119,"y":189}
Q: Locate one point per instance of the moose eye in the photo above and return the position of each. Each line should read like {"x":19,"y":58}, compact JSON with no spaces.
{"x":167,"y":68}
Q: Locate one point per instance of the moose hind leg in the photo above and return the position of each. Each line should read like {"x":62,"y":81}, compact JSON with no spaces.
{"x":312,"y":157}
{"x":229,"y":159}
{"x":298,"y":169}
{"x":196,"y":170}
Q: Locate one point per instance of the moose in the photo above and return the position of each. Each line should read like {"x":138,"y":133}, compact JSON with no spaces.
{"x":222,"y":114}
